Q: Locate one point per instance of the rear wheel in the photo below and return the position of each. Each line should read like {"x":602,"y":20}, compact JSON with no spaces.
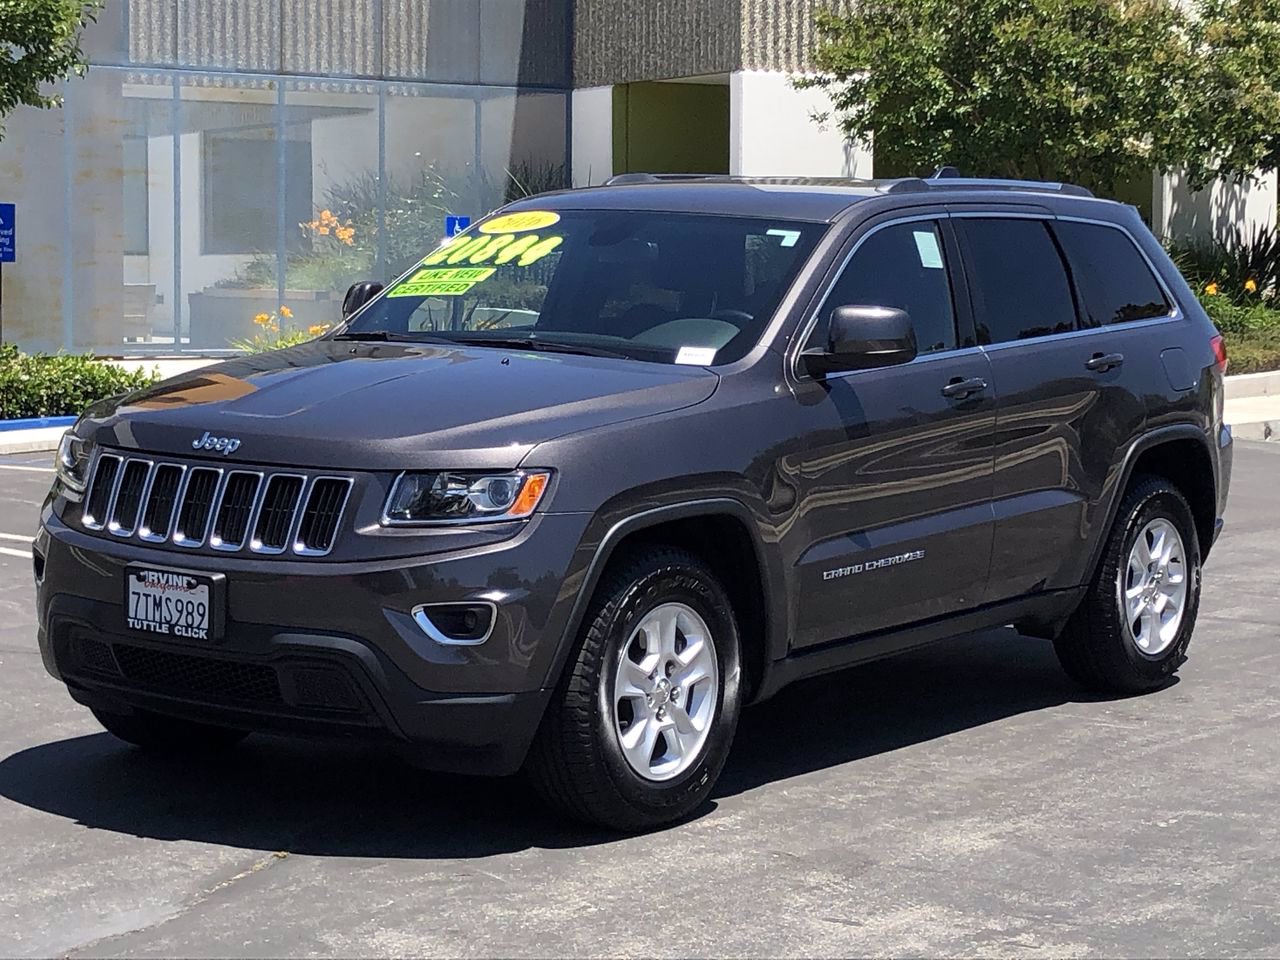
{"x":1133,"y":628}
{"x":161,"y":734}
{"x":644,"y":716}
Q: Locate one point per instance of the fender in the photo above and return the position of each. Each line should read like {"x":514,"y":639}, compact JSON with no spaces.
{"x":774,"y":593}
{"x":1177,"y":431}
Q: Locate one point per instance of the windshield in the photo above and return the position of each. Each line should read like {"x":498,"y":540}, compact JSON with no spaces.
{"x":670,"y":288}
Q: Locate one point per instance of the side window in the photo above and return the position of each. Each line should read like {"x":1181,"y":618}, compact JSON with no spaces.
{"x":1115,"y":282}
{"x":1019,"y":284}
{"x":901,"y":266}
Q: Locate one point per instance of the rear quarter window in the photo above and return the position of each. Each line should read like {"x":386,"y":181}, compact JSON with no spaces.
{"x":1115,"y":282}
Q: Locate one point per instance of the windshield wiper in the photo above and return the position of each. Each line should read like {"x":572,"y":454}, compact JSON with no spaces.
{"x":546,"y":346}
{"x":387,"y":336}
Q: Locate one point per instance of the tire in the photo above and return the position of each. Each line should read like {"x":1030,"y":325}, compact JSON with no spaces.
{"x":1102,"y":647}
{"x":160,"y":734}
{"x":579,"y":762}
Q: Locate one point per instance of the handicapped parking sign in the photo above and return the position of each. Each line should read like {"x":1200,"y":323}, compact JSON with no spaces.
{"x":8,"y":233}
{"x":454,"y":225}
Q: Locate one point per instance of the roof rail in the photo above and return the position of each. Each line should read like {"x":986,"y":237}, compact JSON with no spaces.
{"x":947,"y":181}
{"x":625,"y":178}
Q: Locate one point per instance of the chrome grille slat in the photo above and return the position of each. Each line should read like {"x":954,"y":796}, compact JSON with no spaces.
{"x":235,"y":509}
{"x":276,"y":519}
{"x":131,"y":486}
{"x":97,"y":506}
{"x":161,"y":502}
{"x":321,"y":516}
{"x":227,"y":509}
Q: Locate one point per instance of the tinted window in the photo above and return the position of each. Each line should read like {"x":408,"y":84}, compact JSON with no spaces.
{"x":902,"y":266}
{"x":1114,"y":280}
{"x":1020,"y":287}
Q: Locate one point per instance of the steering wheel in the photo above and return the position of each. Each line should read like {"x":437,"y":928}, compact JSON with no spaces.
{"x":739,"y":318}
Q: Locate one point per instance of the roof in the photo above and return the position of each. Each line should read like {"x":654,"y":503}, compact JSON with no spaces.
{"x":794,"y":198}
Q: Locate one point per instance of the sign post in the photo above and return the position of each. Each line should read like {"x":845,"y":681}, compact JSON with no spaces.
{"x":8,"y":249}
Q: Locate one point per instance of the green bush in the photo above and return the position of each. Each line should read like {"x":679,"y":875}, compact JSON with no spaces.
{"x":38,"y":385}
{"x":1252,"y":332}
{"x":1244,"y":268}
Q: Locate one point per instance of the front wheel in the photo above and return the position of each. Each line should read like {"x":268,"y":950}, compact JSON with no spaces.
{"x":644,"y":716}
{"x":1133,"y":628}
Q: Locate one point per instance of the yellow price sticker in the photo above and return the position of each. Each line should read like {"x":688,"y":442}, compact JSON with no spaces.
{"x":521,"y":222}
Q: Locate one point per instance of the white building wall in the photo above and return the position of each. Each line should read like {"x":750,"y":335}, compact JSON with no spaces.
{"x":772,"y":131}
{"x":1215,"y":212}
{"x":592,"y":136}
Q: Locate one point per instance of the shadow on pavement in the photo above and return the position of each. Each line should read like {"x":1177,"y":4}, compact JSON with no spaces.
{"x":345,"y":800}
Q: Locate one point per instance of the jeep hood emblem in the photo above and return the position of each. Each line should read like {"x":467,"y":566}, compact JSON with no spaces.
{"x":224,"y":445}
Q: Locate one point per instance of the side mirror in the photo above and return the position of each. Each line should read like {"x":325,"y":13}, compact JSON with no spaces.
{"x":861,"y":338}
{"x":358,"y":295}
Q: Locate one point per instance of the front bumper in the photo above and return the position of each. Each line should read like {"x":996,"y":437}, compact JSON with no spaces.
{"x":323,"y":648}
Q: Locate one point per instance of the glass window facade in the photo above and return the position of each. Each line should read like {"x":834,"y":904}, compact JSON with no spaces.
{"x":227,"y":158}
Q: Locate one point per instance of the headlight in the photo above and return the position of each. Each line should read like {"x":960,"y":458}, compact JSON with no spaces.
{"x":72,"y":464}
{"x":464,"y":497}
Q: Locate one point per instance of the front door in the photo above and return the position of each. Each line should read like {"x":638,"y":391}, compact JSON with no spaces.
{"x":893,"y":475}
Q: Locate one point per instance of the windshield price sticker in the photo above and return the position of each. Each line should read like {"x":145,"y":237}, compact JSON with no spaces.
{"x":521,"y":222}
{"x":442,"y":283}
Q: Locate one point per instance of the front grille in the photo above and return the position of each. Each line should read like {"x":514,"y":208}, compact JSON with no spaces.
{"x":227,"y":510}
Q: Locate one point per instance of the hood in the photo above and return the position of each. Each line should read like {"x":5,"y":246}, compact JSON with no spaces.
{"x":340,"y":405}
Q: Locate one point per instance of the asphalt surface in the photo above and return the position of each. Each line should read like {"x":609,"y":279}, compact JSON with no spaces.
{"x":963,"y":800}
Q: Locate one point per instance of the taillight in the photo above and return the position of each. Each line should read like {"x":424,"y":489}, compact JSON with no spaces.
{"x":1220,"y":352}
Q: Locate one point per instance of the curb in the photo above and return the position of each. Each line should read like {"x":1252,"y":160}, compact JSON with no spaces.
{"x":1261,"y":430}
{"x":1245,"y":386}
{"x":38,"y":440}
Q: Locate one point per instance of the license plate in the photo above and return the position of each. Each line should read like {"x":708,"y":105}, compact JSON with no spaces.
{"x":172,"y":603}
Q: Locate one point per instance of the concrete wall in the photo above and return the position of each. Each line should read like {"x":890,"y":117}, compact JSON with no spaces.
{"x":773,"y":132}
{"x":1217,"y":211}
{"x":592,"y":136}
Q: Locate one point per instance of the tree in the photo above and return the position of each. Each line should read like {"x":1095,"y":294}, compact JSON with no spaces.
{"x":39,"y":45}
{"x":1092,"y":91}
{"x":1234,"y":95}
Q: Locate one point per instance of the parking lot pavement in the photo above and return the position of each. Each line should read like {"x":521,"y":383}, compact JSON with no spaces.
{"x":961,"y":800}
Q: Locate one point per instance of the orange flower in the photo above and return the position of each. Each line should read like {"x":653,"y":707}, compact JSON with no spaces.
{"x":323,"y":231}
{"x":1251,"y":285}
{"x":317,"y":328}
{"x":262,"y":319}
{"x":1211,"y":289}
{"x":286,"y":313}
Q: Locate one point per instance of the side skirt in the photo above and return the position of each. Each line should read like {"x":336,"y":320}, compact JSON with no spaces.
{"x":1039,"y":615}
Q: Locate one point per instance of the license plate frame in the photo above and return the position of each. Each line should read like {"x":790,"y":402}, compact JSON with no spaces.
{"x":199,"y":584}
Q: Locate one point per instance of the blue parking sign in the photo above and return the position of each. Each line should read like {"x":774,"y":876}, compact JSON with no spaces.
{"x":454,"y":225}
{"x":8,"y":233}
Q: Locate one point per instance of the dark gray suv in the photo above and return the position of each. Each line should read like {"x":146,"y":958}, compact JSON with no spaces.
{"x":619,"y":461}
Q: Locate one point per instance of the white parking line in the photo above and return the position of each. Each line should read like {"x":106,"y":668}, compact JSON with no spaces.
{"x":6,"y":552}
{"x":14,"y":466}
{"x":17,"y":536}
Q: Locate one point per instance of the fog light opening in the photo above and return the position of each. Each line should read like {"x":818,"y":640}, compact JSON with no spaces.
{"x":457,"y":624}
{"x":37,"y":565}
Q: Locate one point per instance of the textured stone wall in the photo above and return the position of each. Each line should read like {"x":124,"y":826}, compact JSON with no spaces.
{"x":621,"y":41}
{"x":453,"y":41}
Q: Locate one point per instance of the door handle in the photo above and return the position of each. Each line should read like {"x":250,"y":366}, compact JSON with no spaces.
{"x":1102,"y":362}
{"x":959,"y":389}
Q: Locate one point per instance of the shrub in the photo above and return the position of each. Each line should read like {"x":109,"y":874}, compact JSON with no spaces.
{"x":1243,"y":268}
{"x":40,"y":385}
{"x":276,"y":334}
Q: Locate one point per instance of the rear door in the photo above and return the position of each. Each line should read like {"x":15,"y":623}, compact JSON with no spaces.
{"x":1061,"y":308}
{"x":893,"y":470}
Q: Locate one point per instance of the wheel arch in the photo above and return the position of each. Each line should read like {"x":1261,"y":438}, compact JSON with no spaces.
{"x":722,"y":532}
{"x":1180,"y":454}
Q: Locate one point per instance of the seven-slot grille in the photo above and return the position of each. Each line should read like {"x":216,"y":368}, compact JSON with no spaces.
{"x":227,"y":509}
